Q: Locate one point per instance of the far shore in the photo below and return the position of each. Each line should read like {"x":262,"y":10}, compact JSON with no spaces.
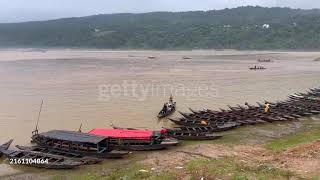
{"x":161,"y":50}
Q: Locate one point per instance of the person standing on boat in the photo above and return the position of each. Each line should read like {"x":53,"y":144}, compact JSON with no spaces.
{"x":266,"y":107}
{"x":165,"y":107}
{"x":171,"y":99}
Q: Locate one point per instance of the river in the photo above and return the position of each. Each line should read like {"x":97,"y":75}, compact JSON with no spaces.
{"x":97,"y":88}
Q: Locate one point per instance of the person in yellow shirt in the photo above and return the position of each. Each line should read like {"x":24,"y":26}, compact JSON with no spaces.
{"x":204,"y":122}
{"x":266,"y":107}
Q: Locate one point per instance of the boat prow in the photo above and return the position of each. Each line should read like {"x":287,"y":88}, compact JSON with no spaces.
{"x":163,"y":114}
{"x":193,"y":111}
{"x":4,"y":147}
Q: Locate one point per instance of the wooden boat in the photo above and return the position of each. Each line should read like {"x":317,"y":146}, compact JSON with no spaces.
{"x":144,"y":147}
{"x":190,"y":135}
{"x":77,"y":142}
{"x":166,"y":140}
{"x":242,"y":119}
{"x":265,"y":60}
{"x":38,"y":159}
{"x":197,"y":112}
{"x":233,"y":108}
{"x":116,"y":127}
{"x":5,"y":146}
{"x":257,"y":68}
{"x":207,"y":129}
{"x":184,"y":136}
{"x":151,"y":57}
{"x":170,"y":108}
{"x":245,"y":117}
{"x":77,"y":157}
{"x":135,"y":139}
{"x":186,"y":57}
{"x":297,"y":106}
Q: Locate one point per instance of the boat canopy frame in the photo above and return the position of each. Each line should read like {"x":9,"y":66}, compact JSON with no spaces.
{"x":71,"y":140}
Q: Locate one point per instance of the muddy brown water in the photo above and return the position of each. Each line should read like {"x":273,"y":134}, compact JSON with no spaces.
{"x":97,"y":88}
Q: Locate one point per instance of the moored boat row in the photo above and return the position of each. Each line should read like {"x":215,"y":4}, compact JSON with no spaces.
{"x":61,"y":149}
{"x":296,"y":106}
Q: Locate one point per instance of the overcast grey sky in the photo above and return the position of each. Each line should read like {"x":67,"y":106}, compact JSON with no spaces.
{"x":27,"y":10}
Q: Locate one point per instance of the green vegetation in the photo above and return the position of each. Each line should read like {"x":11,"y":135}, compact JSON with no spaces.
{"x":131,"y":172}
{"x":293,"y":140}
{"x":238,"y":28}
{"x":232,"y":168}
{"x":315,"y":178}
{"x":224,"y":168}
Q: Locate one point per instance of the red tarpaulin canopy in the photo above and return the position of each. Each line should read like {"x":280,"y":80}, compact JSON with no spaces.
{"x":123,"y":133}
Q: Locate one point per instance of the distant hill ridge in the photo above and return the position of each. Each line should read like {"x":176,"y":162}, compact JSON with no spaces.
{"x":238,"y":28}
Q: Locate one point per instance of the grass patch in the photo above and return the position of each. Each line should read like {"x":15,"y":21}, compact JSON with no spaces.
{"x":225,"y":168}
{"x":315,"y":178}
{"x":131,"y":172}
{"x":231,"y":168}
{"x":87,"y":176}
{"x":293,"y":140}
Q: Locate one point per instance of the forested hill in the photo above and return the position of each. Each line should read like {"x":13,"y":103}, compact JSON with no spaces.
{"x":238,"y":28}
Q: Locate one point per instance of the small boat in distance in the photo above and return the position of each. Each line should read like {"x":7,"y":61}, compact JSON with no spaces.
{"x":168,"y":108}
{"x":186,"y":57}
{"x":265,"y":60}
{"x":151,"y":57}
{"x":257,"y":68}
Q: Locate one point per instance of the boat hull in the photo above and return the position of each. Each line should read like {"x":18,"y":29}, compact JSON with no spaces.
{"x":173,"y":109}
